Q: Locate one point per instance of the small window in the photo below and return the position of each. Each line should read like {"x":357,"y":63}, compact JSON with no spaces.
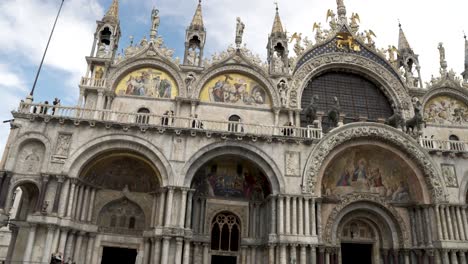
{"x":143,"y":116}
{"x":454,"y":138}
{"x":225,"y":233}
{"x":131,"y":223}
{"x":454,"y":144}
{"x":233,"y":124}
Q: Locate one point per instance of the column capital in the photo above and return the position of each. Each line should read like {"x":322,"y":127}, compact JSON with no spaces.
{"x":74,"y":181}
{"x":60,"y":178}
{"x":45,"y":177}
{"x":179,"y":240}
{"x":51,"y":227}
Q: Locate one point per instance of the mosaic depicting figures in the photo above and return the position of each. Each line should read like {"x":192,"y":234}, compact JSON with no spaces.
{"x":235,"y":88}
{"x":446,"y":110}
{"x":148,"y":82}
{"x":233,"y":178}
{"x":371,"y":169}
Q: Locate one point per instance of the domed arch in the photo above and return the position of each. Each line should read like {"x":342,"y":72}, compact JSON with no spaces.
{"x":320,"y":155}
{"x":388,"y":82}
{"x":246,"y":151}
{"x":136,"y":64}
{"x":93,"y":148}
{"x":242,"y":70}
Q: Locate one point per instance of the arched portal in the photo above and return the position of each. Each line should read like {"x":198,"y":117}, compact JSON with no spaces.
{"x":225,"y":237}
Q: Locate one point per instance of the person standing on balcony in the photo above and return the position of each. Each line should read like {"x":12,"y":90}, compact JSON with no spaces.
{"x":56,"y":102}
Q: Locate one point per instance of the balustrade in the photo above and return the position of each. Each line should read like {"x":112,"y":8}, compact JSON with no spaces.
{"x":444,"y":145}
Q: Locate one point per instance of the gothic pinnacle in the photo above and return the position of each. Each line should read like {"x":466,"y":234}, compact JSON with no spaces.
{"x":277,"y":25}
{"x":341,"y":11}
{"x":113,"y":12}
{"x":197,"y":21}
{"x":465,"y":73}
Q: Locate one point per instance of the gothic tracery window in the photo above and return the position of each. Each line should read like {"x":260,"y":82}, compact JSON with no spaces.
{"x":225,"y":233}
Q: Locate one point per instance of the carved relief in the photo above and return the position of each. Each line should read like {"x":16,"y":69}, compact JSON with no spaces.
{"x":62,"y":146}
{"x":450,"y":175}
{"x":178,"y":148}
{"x":30,"y":158}
{"x":375,"y":131}
{"x":293,"y":164}
{"x":446,"y":110}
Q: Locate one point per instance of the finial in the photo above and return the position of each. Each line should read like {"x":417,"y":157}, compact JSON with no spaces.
{"x":464,"y":34}
{"x":399,"y":23}
{"x":276,"y":4}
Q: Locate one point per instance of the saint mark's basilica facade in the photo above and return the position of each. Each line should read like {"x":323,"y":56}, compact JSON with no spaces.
{"x":336,"y":154}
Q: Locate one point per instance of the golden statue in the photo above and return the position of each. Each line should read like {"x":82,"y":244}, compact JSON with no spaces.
{"x":355,"y":19}
{"x":99,"y":74}
{"x":345,"y":39}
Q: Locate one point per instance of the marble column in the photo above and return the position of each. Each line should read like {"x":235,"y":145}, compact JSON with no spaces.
{"x":428,"y":223}
{"x":445,"y":256}
{"x":75,"y":201}
{"x":294,"y":216}
{"x":419,"y":227}
{"x":300,"y":216}
{"x":162,"y":205}
{"x":30,"y":244}
{"x":449,"y":222}
{"x":63,"y":240}
{"x":319,"y":219}
{"x":42,"y":192}
{"x":465,"y":220}
{"x":178,"y":252}
{"x":293,"y":253}
{"x":439,"y":223}
{"x":71,"y":197}
{"x":313,"y":255}
{"x":165,"y":250}
{"x":58,"y":192}
{"x":243,"y":255}
{"x":327,"y":257}
{"x":303,"y":255}
{"x":282,"y":259}
{"x":90,"y":248}
{"x":6,"y":177}
{"x":77,"y":253}
{"x":454,"y":258}
{"x":91,"y":205}
{"x":146,"y":251}
{"x":443,"y":219}
{"x":186,"y":258}
{"x":183,"y":204}
{"x":462,"y":257}
{"x":156,"y":250}
{"x":313,"y":217}
{"x":79,"y":203}
{"x":273,"y":215}
{"x":307,"y":216}
{"x":253,"y":251}
{"x":461,"y":228}
{"x":70,"y":244}
{"x":271,"y":254}
{"x":84,"y":211}
{"x":55,"y":240}
{"x":188,"y":216}
{"x":206,"y":254}
{"x":280,"y":215}
{"x":453,"y":215}
{"x":414,"y":226}
{"x":154,"y":210}
{"x":287,"y":215}
{"x":168,"y":216}
{"x":63,"y":198}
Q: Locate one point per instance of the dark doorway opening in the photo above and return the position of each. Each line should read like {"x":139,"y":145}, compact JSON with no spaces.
{"x":112,"y":255}
{"x":356,"y":253}
{"x":223,"y":260}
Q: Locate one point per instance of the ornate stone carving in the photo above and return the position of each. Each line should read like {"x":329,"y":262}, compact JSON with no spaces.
{"x":339,"y":136}
{"x":392,"y":87}
{"x":450,"y":175}
{"x":178,"y":148}
{"x":62,"y":147}
{"x":293,"y":164}
{"x":30,"y":157}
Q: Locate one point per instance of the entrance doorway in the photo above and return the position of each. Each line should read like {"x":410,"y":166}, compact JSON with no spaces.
{"x":223,"y":260}
{"x":356,"y":253}
{"x":112,"y":255}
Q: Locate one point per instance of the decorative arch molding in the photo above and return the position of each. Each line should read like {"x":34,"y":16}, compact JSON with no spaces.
{"x":17,"y":182}
{"x":369,"y":203}
{"x":463,"y":190}
{"x":241,"y":69}
{"x":246,"y":151}
{"x":312,"y":179}
{"x":79,"y":158}
{"x":137,"y":63}
{"x":24,"y":139}
{"x":461,"y":94}
{"x":391,"y":86}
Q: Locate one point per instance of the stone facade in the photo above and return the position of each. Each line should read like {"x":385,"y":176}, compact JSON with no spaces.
{"x":230,"y":160}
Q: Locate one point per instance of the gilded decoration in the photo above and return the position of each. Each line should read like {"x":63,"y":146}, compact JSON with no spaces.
{"x":234,"y":88}
{"x":371,"y":169}
{"x":148,"y":82}
{"x":445,"y":110}
{"x":231,"y":178}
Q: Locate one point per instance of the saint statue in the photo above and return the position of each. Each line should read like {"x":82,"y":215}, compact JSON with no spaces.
{"x":239,"y":32}
{"x":155,"y":21}
{"x":441,"y":51}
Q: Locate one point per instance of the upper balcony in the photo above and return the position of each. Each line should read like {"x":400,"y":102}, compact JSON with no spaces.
{"x":445,"y":146}
{"x":92,"y":82}
{"x":145,"y":121}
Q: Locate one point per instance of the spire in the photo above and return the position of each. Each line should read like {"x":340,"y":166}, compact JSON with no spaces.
{"x":403,"y":44}
{"x":341,"y":11}
{"x":465,"y":73}
{"x":277,"y":25}
{"x":197,"y":21}
{"x":113,"y":12}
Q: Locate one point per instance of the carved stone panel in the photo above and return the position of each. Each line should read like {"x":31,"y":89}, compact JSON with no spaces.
{"x":178,"y":148}
{"x":62,"y":147}
{"x":450,"y":176}
{"x":292,"y":164}
{"x":30,"y":158}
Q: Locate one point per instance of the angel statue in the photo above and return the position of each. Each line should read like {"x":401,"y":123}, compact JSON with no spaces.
{"x":298,"y":49}
{"x":155,"y":20}
{"x":332,"y":16}
{"x":239,"y":32}
{"x":319,"y":37}
{"x":392,"y":50}
{"x":355,"y":19}
{"x":369,"y":34}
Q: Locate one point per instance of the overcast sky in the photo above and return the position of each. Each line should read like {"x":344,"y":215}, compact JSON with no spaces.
{"x":25,"y":26}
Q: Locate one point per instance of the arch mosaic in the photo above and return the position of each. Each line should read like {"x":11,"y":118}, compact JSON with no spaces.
{"x":312,"y":179}
{"x":446,"y":106}
{"x":169,"y":72}
{"x":246,"y":151}
{"x":392,"y":87}
{"x":254,"y":75}
{"x":122,"y":143}
{"x":374,"y":205}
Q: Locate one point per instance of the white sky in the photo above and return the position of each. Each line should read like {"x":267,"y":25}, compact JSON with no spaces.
{"x":25,"y":25}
